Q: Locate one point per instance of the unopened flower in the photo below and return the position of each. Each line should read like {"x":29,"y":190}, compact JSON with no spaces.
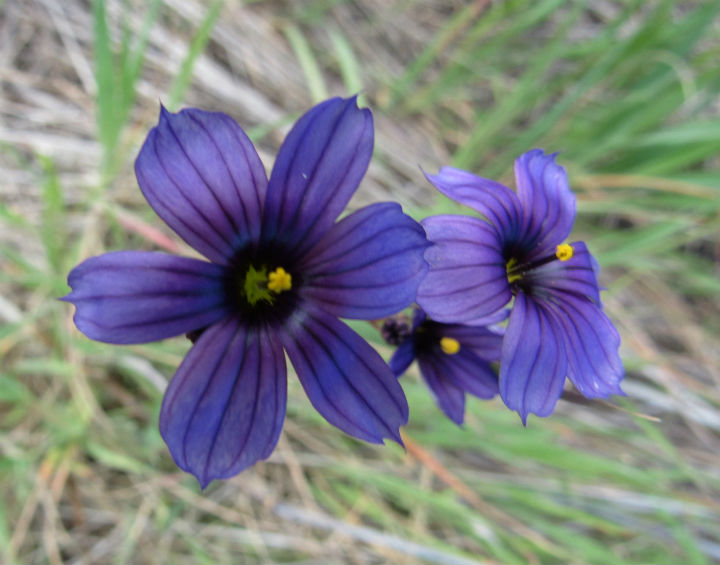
{"x":557,"y":327}
{"x":453,"y":359}
{"x":281,"y":273}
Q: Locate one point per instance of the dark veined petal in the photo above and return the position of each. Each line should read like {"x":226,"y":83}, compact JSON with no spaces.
{"x":471,"y":373}
{"x":548,"y":203}
{"x":575,"y":276}
{"x":318,"y":168}
{"x":495,"y":201}
{"x":402,"y":358}
{"x":486,"y":343}
{"x":369,"y":265}
{"x":344,"y":377}
{"x":463,"y":371}
{"x":449,"y":397}
{"x":140,"y":296}
{"x":467,"y":280}
{"x":225,"y":407}
{"x":592,"y":344}
{"x":533,"y":366}
{"x":203,"y":177}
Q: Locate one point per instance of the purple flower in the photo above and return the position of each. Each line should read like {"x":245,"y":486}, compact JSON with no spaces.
{"x":453,"y":359}
{"x":282,"y":272}
{"x":557,"y":327}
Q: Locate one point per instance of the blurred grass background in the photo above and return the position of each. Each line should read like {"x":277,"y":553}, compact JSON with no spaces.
{"x":627,"y":91}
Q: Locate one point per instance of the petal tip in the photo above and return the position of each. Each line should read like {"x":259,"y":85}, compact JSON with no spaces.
{"x":164,"y":114}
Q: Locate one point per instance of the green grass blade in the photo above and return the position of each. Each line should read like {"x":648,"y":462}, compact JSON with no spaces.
{"x":308,"y":62}
{"x":197,"y":46}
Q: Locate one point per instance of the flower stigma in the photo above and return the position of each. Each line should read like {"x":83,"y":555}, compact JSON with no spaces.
{"x":256,"y":286}
{"x":512,"y":273}
{"x":449,"y":345}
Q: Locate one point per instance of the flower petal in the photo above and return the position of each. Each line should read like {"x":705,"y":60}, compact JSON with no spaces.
{"x":547,"y":201}
{"x":318,"y":168}
{"x":495,"y":201}
{"x":486,"y":343}
{"x":575,"y":276}
{"x":225,"y":407}
{"x":533,"y":366}
{"x":592,"y":344}
{"x":139,"y":296}
{"x":464,"y":371}
{"x":203,"y":177}
{"x":471,"y":373}
{"x":449,"y":397}
{"x":402,"y":358}
{"x":467,"y":280}
{"x":345,"y":379}
{"x":369,"y":265}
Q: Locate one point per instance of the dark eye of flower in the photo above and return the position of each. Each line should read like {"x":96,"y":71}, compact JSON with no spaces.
{"x":263,"y":286}
{"x":517,"y":268}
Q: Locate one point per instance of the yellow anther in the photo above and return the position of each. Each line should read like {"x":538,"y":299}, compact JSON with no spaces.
{"x":279,"y":280}
{"x":449,"y":345}
{"x":564,"y":251}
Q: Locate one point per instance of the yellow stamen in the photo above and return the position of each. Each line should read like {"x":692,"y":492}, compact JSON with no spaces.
{"x":279,"y":280}
{"x":449,"y":345}
{"x":564,"y":251}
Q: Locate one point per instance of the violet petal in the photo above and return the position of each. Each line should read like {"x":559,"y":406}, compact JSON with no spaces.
{"x":575,"y":276}
{"x":402,"y":358}
{"x":344,"y":377}
{"x":225,"y":406}
{"x":369,"y":265}
{"x":448,"y":396}
{"x":140,"y":296}
{"x":533,"y":366}
{"x":495,"y":201}
{"x":486,"y":343}
{"x":318,"y":168}
{"x":592,"y":344}
{"x":203,"y":177}
{"x":547,"y":201}
{"x":467,"y":280}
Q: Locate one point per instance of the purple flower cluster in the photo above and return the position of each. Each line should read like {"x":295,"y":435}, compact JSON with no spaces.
{"x":557,"y":327}
{"x":281,"y":272}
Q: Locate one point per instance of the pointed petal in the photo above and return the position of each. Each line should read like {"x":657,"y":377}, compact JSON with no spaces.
{"x":369,"y":265}
{"x":546,"y":198}
{"x":139,"y":296}
{"x":318,"y":168}
{"x":533,"y":366}
{"x":225,"y":407}
{"x":467,"y":280}
{"x":575,"y":276}
{"x":471,"y":373}
{"x":345,"y":379}
{"x":592,"y":344}
{"x":495,"y":201}
{"x":203,"y":177}
{"x":449,"y":397}
{"x":464,"y":369}
{"x":402,"y":358}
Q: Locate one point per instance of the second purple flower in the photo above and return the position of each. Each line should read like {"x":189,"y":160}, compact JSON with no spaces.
{"x":557,"y":327}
